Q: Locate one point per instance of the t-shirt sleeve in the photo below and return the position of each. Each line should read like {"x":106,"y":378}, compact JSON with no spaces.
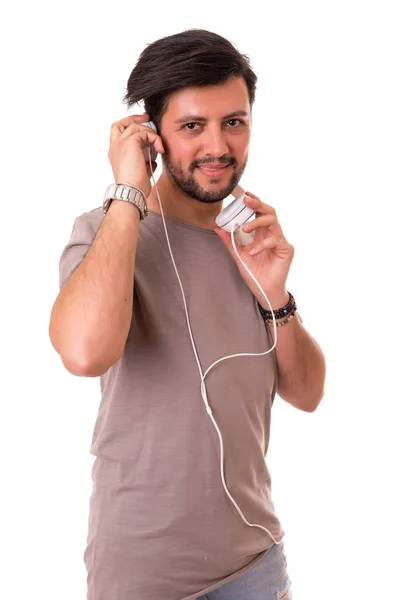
{"x":84,"y":231}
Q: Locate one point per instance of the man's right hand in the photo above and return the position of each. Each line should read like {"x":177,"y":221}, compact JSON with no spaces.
{"x":126,"y":154}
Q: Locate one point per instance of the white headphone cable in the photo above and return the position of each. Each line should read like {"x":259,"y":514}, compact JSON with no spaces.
{"x":203,"y":388}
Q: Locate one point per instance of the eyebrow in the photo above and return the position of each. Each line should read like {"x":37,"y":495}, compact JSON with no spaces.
{"x":236,"y":113}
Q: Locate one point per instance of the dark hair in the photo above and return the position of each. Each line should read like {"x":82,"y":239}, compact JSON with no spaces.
{"x":195,"y":57}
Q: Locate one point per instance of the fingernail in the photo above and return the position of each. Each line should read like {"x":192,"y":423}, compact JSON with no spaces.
{"x":252,"y":252}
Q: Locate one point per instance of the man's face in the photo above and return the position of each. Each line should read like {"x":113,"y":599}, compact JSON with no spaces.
{"x":206,"y":136}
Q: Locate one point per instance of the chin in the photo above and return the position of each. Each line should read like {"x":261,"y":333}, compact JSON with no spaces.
{"x":217,"y":190}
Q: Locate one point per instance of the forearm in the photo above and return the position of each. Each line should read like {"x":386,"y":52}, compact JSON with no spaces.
{"x":91,"y":317}
{"x":301,"y":363}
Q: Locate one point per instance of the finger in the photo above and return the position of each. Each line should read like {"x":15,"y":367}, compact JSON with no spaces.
{"x":261,"y":207}
{"x":226,"y":238}
{"x":271,"y":242}
{"x":132,"y":129}
{"x":144,"y":134}
{"x":270,"y":221}
{"x":119,"y":126}
{"x":135,"y":128}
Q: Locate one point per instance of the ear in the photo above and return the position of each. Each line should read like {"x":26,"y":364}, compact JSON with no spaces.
{"x":154,"y":166}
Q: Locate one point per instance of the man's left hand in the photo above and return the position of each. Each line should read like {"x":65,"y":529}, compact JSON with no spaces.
{"x":272,"y":256}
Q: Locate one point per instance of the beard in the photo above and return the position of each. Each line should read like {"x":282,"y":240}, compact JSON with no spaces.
{"x":186,"y":181}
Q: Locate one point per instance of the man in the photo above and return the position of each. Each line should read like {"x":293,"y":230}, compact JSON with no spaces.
{"x":174,"y":514}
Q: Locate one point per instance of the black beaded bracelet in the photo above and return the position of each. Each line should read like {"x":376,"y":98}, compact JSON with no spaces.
{"x":279,"y":312}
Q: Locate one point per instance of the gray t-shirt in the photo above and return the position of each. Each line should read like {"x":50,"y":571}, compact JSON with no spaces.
{"x":161,"y":525}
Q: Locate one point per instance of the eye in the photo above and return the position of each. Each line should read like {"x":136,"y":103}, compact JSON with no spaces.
{"x":233,"y":124}
{"x":238,"y":121}
{"x":189,"y":127}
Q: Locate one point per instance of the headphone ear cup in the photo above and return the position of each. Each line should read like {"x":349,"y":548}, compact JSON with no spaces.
{"x":151,"y":125}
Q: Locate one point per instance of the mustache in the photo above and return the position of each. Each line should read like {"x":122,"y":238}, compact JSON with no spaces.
{"x":222,"y":161}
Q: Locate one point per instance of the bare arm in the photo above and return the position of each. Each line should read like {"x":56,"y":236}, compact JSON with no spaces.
{"x":91,"y":316}
{"x":301,"y":367}
{"x":301,"y":362}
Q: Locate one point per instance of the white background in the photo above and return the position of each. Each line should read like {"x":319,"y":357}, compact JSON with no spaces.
{"x":325,"y":154}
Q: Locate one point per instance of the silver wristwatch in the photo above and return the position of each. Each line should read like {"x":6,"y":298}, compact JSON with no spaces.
{"x":124,"y":191}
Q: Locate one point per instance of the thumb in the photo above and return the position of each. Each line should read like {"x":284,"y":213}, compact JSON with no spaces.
{"x":224,"y":235}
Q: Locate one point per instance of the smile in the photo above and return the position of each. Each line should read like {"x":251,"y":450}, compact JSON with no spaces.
{"x":213,"y":171}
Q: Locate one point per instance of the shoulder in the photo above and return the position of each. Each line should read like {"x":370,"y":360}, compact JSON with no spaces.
{"x":92,"y":217}
{"x":88,"y":223}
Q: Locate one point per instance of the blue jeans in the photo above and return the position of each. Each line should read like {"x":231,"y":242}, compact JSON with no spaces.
{"x":268,"y":580}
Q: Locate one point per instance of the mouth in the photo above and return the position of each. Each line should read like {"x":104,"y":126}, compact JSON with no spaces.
{"x":214,"y":171}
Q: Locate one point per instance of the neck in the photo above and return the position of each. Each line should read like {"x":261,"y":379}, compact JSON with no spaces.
{"x":180,"y":206}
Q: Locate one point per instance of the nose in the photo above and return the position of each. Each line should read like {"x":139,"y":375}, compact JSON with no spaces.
{"x":214,"y":142}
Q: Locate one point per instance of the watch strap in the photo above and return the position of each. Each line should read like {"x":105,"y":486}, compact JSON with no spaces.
{"x":127,"y":193}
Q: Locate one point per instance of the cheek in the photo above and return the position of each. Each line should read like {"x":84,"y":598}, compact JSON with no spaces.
{"x":183,"y":153}
{"x":242,"y":147}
